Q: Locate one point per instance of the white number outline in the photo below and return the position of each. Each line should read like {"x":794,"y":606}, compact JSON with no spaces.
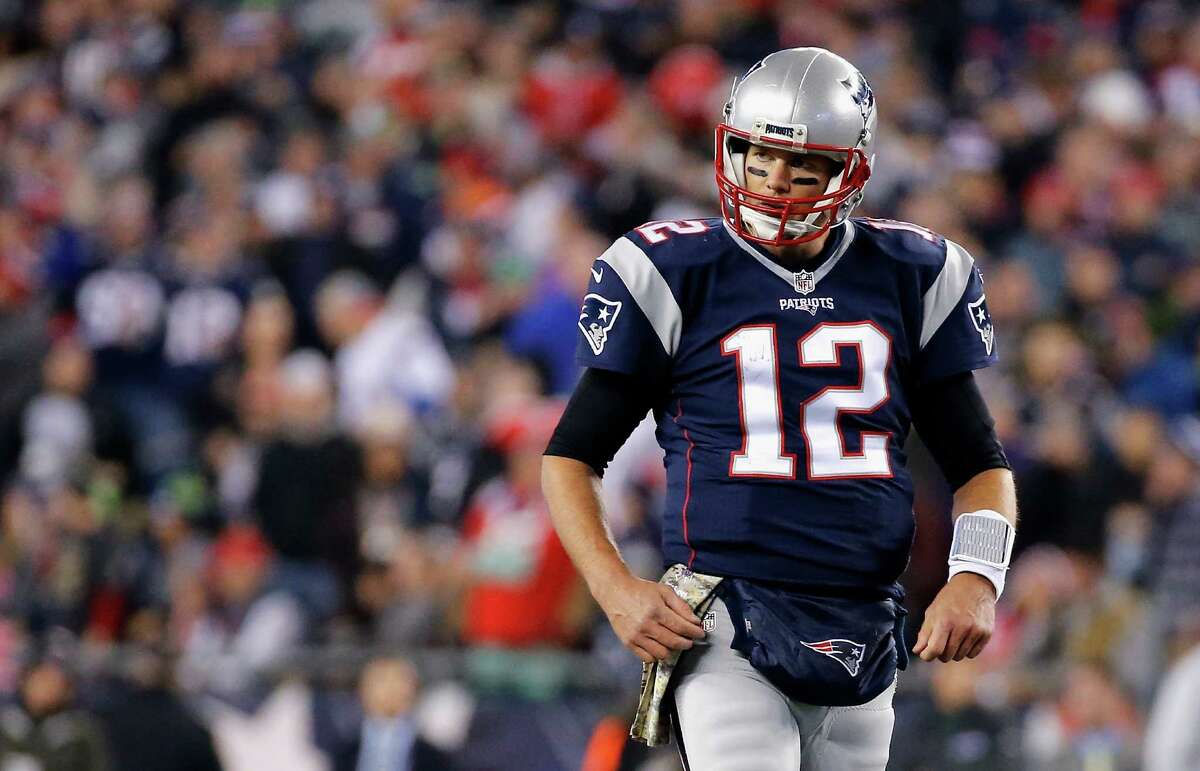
{"x":907,"y":227}
{"x":782,"y":454}
{"x":843,"y":455}
{"x":743,"y":454}
{"x":653,"y":231}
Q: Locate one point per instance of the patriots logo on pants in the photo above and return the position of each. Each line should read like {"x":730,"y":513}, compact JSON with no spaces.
{"x":595,"y":319}
{"x":847,"y":652}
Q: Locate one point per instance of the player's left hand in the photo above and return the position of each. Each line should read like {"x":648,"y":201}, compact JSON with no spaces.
{"x":959,"y":621}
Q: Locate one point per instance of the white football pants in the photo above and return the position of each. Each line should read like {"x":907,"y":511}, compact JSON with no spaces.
{"x":733,"y":719}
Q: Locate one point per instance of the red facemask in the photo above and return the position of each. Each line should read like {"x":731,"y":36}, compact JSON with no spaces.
{"x":736,"y":199}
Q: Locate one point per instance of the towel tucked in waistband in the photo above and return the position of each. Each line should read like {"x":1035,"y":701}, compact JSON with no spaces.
{"x":651,"y":723}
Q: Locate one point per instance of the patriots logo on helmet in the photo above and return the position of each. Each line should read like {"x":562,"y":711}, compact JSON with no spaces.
{"x":846,"y":652}
{"x":758,"y":65}
{"x":982,"y":320}
{"x":861,"y":93}
{"x":595,"y":319}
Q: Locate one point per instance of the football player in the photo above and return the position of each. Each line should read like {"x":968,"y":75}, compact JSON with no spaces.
{"x":786,"y":349}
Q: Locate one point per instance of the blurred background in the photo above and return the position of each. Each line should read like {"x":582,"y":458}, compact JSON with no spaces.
{"x":287,"y":313}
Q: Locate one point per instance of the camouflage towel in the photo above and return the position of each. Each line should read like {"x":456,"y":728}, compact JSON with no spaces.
{"x":651,"y":723}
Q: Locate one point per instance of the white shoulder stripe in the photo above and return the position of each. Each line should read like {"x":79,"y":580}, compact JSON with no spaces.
{"x":649,"y":290}
{"x":946,"y":291}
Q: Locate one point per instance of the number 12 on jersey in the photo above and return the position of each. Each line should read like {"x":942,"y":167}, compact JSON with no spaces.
{"x":760,"y":403}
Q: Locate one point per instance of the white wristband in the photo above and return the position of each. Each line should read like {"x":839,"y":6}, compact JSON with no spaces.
{"x":995,"y":575}
{"x":983,"y":542}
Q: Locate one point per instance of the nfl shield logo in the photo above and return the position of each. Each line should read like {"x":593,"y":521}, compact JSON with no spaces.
{"x":805,"y":281}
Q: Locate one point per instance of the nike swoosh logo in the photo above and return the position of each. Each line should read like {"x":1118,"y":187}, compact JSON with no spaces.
{"x":597,"y":274}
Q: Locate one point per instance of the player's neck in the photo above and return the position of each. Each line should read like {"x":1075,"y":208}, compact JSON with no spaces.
{"x":799,"y":254}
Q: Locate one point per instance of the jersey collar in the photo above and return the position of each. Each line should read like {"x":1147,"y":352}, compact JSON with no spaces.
{"x":846,"y":231}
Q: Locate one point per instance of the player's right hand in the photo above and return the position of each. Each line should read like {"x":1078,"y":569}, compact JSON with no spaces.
{"x":650,"y":619}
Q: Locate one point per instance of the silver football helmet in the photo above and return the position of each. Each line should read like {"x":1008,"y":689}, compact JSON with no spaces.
{"x":805,"y":100}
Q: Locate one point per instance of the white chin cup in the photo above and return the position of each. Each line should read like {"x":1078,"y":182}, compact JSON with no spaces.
{"x":766,"y":226}
{"x":983,"y":543}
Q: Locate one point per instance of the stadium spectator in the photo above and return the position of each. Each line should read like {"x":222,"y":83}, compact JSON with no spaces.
{"x":370,"y":335}
{"x":47,"y":729}
{"x":307,"y":479}
{"x":956,"y":730}
{"x":245,"y":628}
{"x":59,"y":426}
{"x":522,"y":597}
{"x":1170,"y":742}
{"x":389,"y":739}
{"x":143,"y":697}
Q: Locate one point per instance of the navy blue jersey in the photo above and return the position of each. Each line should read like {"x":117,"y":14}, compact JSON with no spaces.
{"x":786,"y":400}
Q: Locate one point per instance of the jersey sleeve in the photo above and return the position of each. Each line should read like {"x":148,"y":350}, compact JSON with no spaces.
{"x":629,"y":320}
{"x":956,"y":327}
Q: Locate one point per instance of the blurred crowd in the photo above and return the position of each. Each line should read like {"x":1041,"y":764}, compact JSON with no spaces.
{"x":288,"y":297}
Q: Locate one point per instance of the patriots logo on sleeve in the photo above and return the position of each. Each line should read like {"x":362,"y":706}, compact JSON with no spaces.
{"x":982,"y":320}
{"x":596,"y":318}
{"x":846,"y":652}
